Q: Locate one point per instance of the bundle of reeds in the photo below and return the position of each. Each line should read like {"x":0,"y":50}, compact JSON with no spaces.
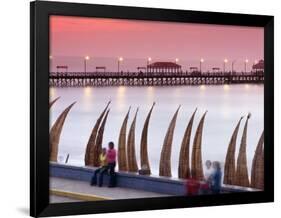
{"x":165,"y":160}
{"x":131,"y":154}
{"x":89,"y":154}
{"x":196,"y":159}
{"x":184,"y":168}
{"x":229,"y":167}
{"x":122,"y":154}
{"x":98,"y":145}
{"x":242,"y":178}
{"x":143,"y":148}
{"x":257,"y":175}
{"x":56,"y":132}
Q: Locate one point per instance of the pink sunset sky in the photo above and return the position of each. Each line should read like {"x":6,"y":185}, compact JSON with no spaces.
{"x":104,"y":40}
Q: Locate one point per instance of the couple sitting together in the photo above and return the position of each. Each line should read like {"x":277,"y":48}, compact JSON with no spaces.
{"x":107,"y":160}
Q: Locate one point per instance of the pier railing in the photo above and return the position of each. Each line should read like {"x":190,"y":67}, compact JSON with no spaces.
{"x":67,"y":79}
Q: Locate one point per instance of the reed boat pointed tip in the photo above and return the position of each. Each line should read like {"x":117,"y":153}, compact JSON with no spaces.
{"x":129,"y":110}
{"x":70,"y":106}
{"x":204,"y":115}
{"x":193,"y":114}
{"x":136,"y":113}
{"x":249,"y":115}
{"x":57,"y":98}
{"x":53,"y":102}
{"x":178,"y":109}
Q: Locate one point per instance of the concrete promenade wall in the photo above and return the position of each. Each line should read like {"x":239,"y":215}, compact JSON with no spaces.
{"x":156,"y":184}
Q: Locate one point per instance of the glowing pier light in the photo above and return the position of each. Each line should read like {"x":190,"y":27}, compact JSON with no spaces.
{"x":202,"y":87}
{"x":225,"y":61}
{"x":201,"y":62}
{"x":245,"y":65}
{"x":120,"y":59}
{"x":86,"y":58}
{"x":226,"y":87}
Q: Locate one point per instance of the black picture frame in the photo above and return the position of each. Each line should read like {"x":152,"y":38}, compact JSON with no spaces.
{"x":39,"y":107}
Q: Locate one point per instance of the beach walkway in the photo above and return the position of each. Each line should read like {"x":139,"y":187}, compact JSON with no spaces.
{"x":67,"y":190}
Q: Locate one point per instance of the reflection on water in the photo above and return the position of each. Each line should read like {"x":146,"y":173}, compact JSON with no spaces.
{"x":203,"y":87}
{"x":52,"y":93}
{"x":87,"y":92}
{"x":226,"y":88}
{"x":225,"y":105}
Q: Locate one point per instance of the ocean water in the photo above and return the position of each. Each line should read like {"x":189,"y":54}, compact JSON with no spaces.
{"x":225,"y":105}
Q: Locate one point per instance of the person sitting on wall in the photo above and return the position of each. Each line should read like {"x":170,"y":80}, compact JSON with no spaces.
{"x":206,"y":185}
{"x":103,"y":166}
{"x":216,"y":177}
{"x":192,"y":185}
{"x":111,"y":163}
{"x":208,"y":171}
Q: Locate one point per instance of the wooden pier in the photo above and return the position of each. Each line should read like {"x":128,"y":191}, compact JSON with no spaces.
{"x":81,"y":79}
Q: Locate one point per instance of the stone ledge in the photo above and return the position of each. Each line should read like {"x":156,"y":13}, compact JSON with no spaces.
{"x":163,"y":185}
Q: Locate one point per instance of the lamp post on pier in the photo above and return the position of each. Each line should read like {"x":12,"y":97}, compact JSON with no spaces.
{"x":120,"y":59}
{"x":245,"y":65}
{"x":86,"y":58}
{"x":147,"y":63}
{"x":232,"y":66}
{"x":50,"y":62}
{"x":224,"y":63}
{"x":201,"y":62}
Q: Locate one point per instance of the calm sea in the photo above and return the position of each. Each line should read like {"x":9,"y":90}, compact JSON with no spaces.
{"x":225,"y":105}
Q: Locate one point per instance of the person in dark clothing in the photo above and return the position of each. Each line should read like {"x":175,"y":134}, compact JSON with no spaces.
{"x":216,"y":177}
{"x":111,"y":163}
